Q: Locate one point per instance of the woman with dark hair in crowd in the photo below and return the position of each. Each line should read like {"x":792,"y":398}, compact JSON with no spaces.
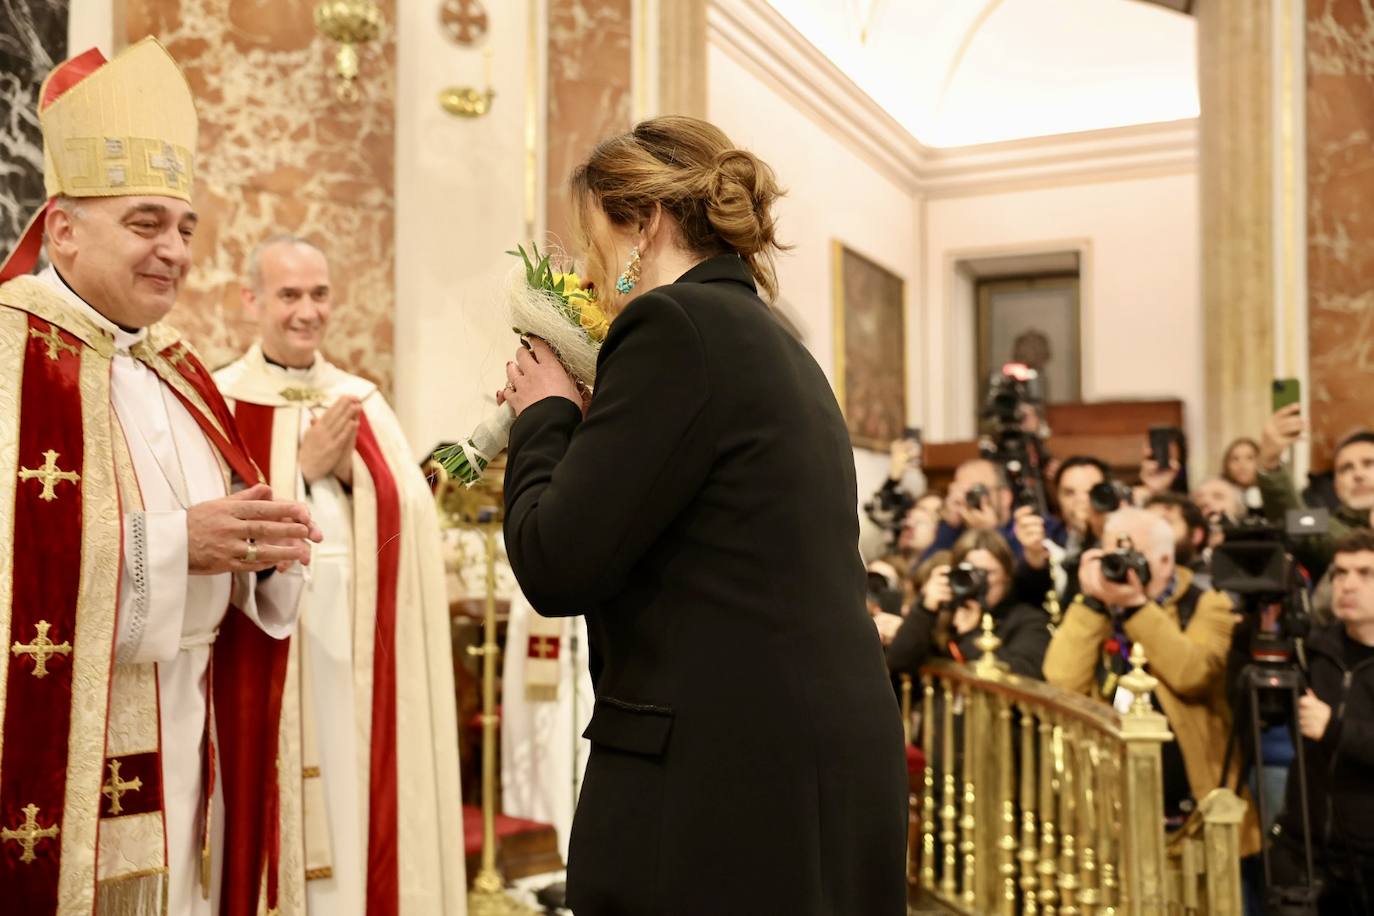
{"x":746,"y":747}
{"x":937,"y":627}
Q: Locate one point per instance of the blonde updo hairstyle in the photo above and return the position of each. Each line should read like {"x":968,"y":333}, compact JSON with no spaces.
{"x":720,"y":196}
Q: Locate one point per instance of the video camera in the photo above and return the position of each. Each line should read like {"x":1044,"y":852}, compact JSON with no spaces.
{"x":1014,"y":394}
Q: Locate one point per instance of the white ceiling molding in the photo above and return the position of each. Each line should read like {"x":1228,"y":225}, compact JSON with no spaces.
{"x":760,"y":39}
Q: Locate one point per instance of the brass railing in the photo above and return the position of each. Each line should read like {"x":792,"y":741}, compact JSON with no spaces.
{"x":1042,"y":802}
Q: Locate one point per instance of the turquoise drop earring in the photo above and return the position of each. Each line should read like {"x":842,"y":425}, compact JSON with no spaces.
{"x":630,"y":277}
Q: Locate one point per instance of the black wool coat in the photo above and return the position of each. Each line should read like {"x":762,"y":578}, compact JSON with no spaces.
{"x":746,"y":745}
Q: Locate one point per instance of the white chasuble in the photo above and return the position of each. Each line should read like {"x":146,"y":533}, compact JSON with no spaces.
{"x":166,"y":616}
{"x":333,"y":849}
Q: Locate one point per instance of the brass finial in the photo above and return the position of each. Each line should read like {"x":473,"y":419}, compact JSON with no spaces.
{"x":1139,"y":682}
{"x":988,"y":644}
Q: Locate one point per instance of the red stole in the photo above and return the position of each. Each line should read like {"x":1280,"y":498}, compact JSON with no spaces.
{"x":255,"y":421}
{"x":43,"y":616}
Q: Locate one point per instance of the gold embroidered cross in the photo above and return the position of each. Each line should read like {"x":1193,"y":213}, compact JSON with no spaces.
{"x":177,"y":356}
{"x":42,"y":648}
{"x":50,"y":475}
{"x":116,"y":788}
{"x":54,"y":341}
{"x":544,"y":647}
{"x":169,"y":165}
{"x":28,"y":834}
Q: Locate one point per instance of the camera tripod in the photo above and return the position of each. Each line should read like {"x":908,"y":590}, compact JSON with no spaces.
{"x":1272,"y":674}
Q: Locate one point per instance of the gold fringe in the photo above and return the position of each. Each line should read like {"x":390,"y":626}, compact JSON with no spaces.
{"x":541,"y":693}
{"x":141,"y":893}
{"x":314,"y":874}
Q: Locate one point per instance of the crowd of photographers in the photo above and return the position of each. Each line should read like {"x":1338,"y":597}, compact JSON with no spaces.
{"x":1240,"y":576}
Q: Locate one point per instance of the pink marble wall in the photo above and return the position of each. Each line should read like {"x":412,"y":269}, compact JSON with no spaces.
{"x":1340,"y":218}
{"x":279,"y":153}
{"x":590,"y":85}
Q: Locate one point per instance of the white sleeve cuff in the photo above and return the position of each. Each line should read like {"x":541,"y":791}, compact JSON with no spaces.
{"x":273,"y":604}
{"x":152,"y":591}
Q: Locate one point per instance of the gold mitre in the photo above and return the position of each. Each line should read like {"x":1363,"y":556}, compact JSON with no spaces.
{"x":127,"y":128}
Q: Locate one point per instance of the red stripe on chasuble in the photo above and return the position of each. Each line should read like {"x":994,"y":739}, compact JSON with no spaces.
{"x":383,"y":881}
{"x":46,"y":589}
{"x":249,"y":674}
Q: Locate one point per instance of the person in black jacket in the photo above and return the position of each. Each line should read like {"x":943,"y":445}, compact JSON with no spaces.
{"x":1336,"y":718}
{"x":746,"y":744}
{"x":934,"y":628}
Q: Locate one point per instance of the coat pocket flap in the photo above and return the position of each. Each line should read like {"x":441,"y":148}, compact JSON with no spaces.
{"x":634,"y":727}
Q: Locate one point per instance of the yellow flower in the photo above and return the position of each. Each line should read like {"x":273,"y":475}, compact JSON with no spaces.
{"x":594,"y":320}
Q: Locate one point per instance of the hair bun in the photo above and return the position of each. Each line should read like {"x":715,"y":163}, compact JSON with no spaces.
{"x":740,"y":194}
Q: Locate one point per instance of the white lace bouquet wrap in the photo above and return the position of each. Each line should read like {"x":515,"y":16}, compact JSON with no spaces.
{"x":553,"y":307}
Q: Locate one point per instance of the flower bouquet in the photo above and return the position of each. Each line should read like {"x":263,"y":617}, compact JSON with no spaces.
{"x":554,"y":307}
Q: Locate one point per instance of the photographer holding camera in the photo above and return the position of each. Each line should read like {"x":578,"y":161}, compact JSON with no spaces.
{"x":1086,"y":495}
{"x":1133,"y":591}
{"x":1336,"y":719}
{"x":1353,"y":468}
{"x":980,"y":498}
{"x":952,"y":605}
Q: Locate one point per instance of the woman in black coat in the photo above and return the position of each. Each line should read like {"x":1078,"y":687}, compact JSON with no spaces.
{"x":746,"y":746}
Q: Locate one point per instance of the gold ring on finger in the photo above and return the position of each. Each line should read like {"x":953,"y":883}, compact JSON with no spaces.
{"x":251,"y":554}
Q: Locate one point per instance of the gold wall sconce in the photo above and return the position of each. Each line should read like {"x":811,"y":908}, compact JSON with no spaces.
{"x":468,"y":101}
{"x":465,"y":23}
{"x":350,"y":23}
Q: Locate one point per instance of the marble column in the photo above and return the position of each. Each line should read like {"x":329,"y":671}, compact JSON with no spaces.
{"x":1340,"y":219}
{"x":589,"y":93}
{"x":1237,"y":200}
{"x":35,"y":40}
{"x":682,"y":79}
{"x":279,"y":153}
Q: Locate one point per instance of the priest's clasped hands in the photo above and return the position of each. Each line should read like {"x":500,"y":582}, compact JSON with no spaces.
{"x":327,"y":447}
{"x":248,"y":532}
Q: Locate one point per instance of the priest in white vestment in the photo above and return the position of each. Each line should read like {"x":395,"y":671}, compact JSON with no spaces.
{"x":373,"y":820}
{"x":142,"y":598}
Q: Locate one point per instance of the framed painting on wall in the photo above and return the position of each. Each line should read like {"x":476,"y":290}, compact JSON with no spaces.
{"x":1032,"y":320}
{"x":870,"y":348}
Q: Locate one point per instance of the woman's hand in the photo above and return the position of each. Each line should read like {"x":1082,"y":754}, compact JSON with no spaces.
{"x":967,"y":618}
{"x":536,"y":374}
{"x":937,"y":591}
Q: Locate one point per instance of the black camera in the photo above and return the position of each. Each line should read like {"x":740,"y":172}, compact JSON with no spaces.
{"x":976,"y":496}
{"x":1108,"y":496}
{"x":968,"y":583}
{"x":1014,"y":392}
{"x":1117,"y":564}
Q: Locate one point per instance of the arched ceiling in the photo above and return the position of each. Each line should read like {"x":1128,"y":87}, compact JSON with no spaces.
{"x":962,"y":72}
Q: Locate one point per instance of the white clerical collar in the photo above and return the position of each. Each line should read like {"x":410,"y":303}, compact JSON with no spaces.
{"x":124,"y":340}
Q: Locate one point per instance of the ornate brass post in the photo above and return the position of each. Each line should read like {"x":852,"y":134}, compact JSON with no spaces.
{"x":1065,"y":763}
{"x":1049,"y":785}
{"x":488,"y":896}
{"x":1029,"y":853}
{"x":948,"y":812}
{"x":1222,"y":814}
{"x":1088,"y":834}
{"x":1006,"y":797}
{"x":1143,"y":730}
{"x":928,"y":795}
{"x":968,"y":823}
